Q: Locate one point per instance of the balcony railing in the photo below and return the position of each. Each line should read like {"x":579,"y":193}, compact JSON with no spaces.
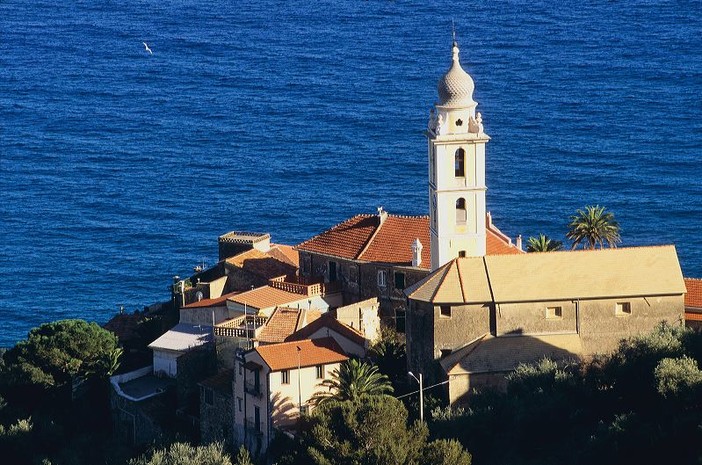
{"x":305,"y":288}
{"x":252,"y":388}
{"x":243,"y":327}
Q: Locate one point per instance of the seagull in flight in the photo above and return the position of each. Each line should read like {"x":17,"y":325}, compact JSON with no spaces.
{"x":147,"y":48}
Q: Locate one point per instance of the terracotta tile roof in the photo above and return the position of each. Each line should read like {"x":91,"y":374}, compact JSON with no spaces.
{"x":221,"y":382}
{"x":262,"y":264}
{"x":364,"y":238}
{"x":265,"y":296}
{"x":693,"y":298}
{"x":328,"y":321}
{"x":282,"y":323}
{"x":284,"y":356}
{"x":219,"y":301}
{"x":689,"y":316}
{"x":285,"y":253}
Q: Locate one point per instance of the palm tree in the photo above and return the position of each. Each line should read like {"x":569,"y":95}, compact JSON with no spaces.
{"x":593,"y":226}
{"x":352,"y":380}
{"x":543,"y":243}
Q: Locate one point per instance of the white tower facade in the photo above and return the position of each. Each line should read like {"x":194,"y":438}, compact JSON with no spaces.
{"x":456,"y":170}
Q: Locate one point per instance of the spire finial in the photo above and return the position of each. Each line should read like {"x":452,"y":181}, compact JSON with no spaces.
{"x":453,"y":32}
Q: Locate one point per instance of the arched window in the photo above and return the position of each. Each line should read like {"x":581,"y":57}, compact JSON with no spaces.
{"x":461,"y":214}
{"x":459,"y":165}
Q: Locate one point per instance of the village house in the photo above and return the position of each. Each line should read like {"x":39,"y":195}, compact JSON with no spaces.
{"x":273,"y":385}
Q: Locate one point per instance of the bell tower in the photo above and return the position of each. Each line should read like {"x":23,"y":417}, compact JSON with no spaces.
{"x":456,"y":144}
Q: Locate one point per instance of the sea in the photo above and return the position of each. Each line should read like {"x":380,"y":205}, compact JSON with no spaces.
{"x":119,"y":168}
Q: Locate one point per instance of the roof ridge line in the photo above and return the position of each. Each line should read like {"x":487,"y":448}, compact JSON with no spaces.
{"x":460,"y":280}
{"x":443,"y":278}
{"x":370,"y":239}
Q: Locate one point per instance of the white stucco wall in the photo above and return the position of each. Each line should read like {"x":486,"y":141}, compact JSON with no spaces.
{"x":165,"y":363}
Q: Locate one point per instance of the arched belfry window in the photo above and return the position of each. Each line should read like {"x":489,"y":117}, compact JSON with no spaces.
{"x":461,"y":214}
{"x":460,"y":163}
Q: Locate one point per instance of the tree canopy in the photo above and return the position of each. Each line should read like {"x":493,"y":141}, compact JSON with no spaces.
{"x":180,"y":453}
{"x":593,"y":226}
{"x":371,"y":430}
{"x":352,"y":380}
{"x":543,"y":243}
{"x":57,"y":354}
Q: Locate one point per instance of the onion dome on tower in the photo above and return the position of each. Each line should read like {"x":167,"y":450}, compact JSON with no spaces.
{"x":456,"y":86}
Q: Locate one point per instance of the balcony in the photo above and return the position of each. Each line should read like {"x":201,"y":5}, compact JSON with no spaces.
{"x":242,"y":327}
{"x":253,"y":389}
{"x":304,"y":286}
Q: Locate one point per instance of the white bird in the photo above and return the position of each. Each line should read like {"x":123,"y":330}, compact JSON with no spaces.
{"x":147,"y":48}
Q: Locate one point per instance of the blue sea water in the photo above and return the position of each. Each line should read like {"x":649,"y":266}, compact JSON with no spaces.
{"x":119,"y":169}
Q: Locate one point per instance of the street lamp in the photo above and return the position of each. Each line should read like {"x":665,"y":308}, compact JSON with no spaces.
{"x":421,"y":395}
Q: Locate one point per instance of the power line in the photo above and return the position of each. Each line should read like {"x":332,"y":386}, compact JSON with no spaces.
{"x":417,"y":391}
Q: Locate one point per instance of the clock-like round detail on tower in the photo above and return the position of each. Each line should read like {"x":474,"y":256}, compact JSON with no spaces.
{"x":459,"y":122}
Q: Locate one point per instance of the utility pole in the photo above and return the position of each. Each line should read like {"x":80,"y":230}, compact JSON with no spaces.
{"x":421,"y":394}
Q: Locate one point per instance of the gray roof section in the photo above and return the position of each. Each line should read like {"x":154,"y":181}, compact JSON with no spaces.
{"x":183,"y":337}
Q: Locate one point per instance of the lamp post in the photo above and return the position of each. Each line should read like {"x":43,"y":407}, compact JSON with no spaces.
{"x":421,"y":395}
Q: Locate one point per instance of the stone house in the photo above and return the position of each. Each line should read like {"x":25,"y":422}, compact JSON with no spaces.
{"x":379,"y":256}
{"x":274,"y":383}
{"x":476,"y":318}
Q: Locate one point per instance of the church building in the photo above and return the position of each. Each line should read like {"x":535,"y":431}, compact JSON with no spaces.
{"x":477,"y":316}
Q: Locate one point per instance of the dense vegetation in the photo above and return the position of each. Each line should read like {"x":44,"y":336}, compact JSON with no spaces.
{"x":642,"y":404}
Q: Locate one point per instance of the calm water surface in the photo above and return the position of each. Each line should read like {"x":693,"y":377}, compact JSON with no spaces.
{"x":119,"y":169}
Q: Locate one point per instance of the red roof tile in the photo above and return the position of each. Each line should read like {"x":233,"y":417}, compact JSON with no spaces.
{"x":285,"y":253}
{"x":265,"y":296}
{"x":219,"y":301}
{"x":693,"y":298}
{"x":364,"y":238}
{"x":284,"y":356}
{"x":328,"y":321}
{"x":262,"y":264}
{"x":282,"y":323}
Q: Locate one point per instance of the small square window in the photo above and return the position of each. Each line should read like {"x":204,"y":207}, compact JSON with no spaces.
{"x":285,"y":377}
{"x":241,"y":368}
{"x":623,"y":309}
{"x":240,"y":403}
{"x":445,"y":352}
{"x":445,"y":311}
{"x":320,"y":371}
{"x":353,"y":274}
{"x":554,"y":313}
{"x":399,"y":280}
{"x":462,"y":253}
{"x":382,"y":278}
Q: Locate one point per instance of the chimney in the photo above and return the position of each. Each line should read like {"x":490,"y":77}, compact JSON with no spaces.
{"x":519,"y":242}
{"x":416,"y":252}
{"x":382,"y":215}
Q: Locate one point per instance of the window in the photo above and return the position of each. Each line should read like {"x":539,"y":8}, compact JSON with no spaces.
{"x":240,"y":402}
{"x":623,"y":309}
{"x":459,"y":122}
{"x":554,"y":313}
{"x":320,"y":371}
{"x":462,"y":253}
{"x":445,"y":311}
{"x":332,"y":272}
{"x":257,"y":418}
{"x":399,"y":280}
{"x":382,"y":278}
{"x":459,"y":165}
{"x":445,"y":352}
{"x":285,"y":377}
{"x":209,"y":396}
{"x":241,"y":368}
{"x":353,"y":274}
{"x":306,"y":264}
{"x":461,"y":213}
